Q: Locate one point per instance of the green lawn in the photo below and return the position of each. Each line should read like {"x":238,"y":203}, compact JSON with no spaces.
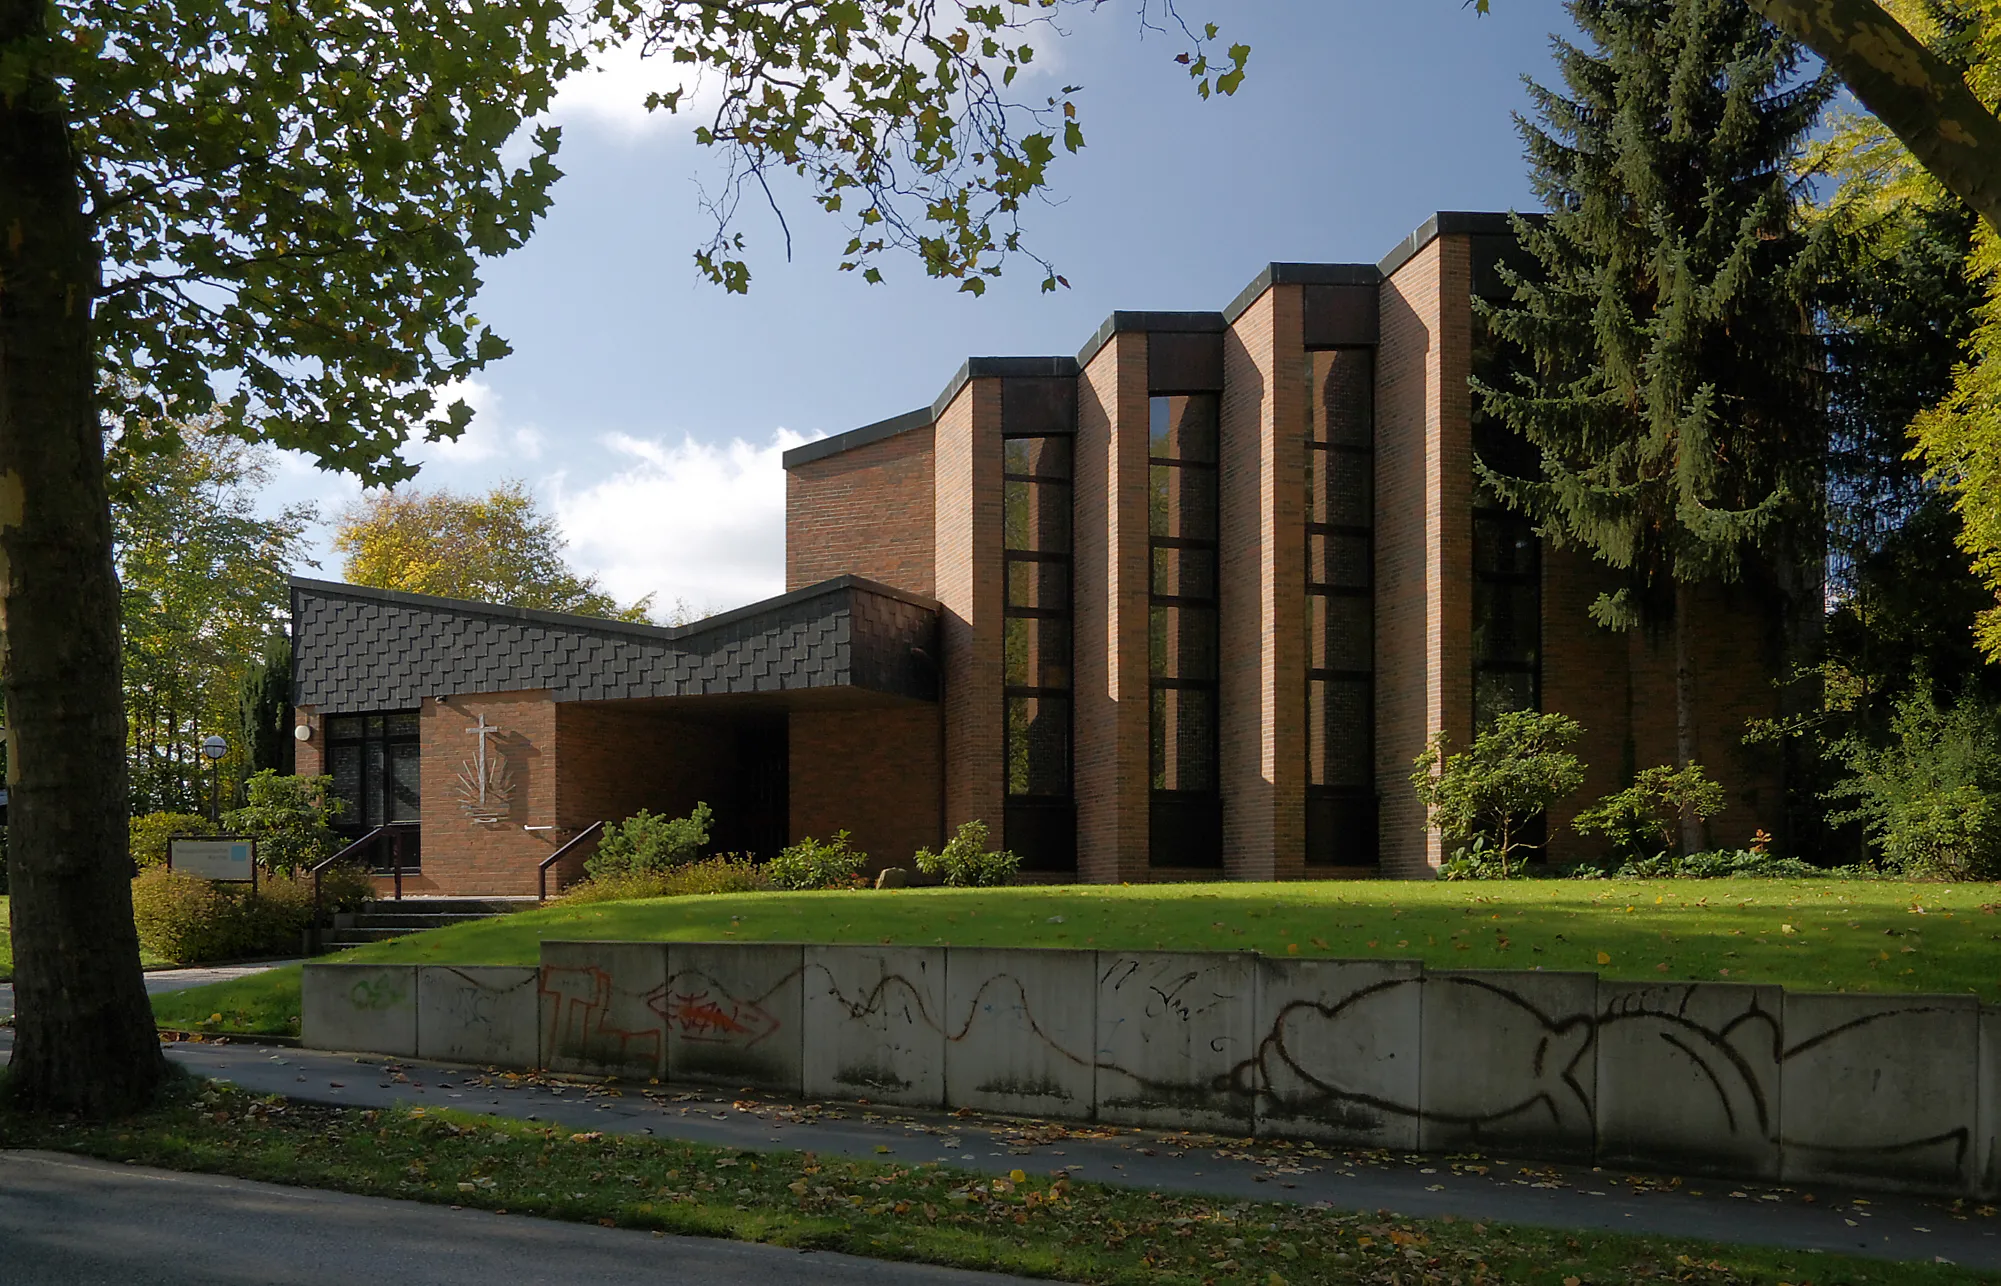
{"x":1835,"y":935}
{"x":1038,"y":1224}
{"x":6,"y":943}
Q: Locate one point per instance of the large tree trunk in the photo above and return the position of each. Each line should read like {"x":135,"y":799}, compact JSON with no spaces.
{"x":84,"y":1039}
{"x":1686,"y":750}
{"x":1922,"y":98}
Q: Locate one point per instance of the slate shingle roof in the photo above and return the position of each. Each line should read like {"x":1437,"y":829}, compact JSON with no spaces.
{"x":356,"y":648}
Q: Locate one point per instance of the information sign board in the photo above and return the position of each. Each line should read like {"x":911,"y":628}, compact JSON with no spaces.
{"x":230,"y":858}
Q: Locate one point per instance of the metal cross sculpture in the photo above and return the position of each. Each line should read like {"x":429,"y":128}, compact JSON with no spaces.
{"x":482,"y":730}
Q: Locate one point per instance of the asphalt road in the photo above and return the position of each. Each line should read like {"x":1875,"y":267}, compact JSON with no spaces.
{"x":71,"y":1222}
{"x":1489,"y":1188}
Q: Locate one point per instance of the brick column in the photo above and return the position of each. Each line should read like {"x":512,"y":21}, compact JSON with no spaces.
{"x":1424,"y":534}
{"x":1263,"y":600}
{"x":969,"y":591}
{"x":1110,"y":636}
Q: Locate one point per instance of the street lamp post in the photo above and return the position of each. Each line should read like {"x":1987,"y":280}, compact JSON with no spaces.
{"x":213,"y":750}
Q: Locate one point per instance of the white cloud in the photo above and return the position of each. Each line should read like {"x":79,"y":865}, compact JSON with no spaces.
{"x":612,"y":94}
{"x":488,"y":436}
{"x":693,"y":521}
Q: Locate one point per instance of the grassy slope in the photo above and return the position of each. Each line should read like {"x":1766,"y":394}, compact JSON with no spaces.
{"x":1845,"y":935}
{"x":6,"y":943}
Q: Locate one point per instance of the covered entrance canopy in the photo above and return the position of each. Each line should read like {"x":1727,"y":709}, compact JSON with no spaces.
{"x":516,"y":729}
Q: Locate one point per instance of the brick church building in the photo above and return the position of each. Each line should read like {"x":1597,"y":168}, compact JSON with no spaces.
{"x":1183,"y":606}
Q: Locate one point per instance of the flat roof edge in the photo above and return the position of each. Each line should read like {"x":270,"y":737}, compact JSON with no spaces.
{"x":1201,"y":323}
{"x":867,"y":434}
{"x":1446,"y":223}
{"x":1005,"y":368}
{"x":1300,"y":274}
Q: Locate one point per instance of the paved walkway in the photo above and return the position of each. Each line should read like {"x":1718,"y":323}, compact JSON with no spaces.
{"x":160,"y":980}
{"x":66,"y":1220}
{"x":1491,"y":1188}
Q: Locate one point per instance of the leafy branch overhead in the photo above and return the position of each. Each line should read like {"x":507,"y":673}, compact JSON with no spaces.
{"x":292,"y":197}
{"x":901,"y":115}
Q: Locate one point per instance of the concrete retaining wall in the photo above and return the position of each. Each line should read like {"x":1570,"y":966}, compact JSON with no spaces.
{"x":1990,"y":1102}
{"x":874,"y":1024}
{"x":1881,"y":1091}
{"x":370,"y":1009}
{"x":478,"y":1014}
{"x":1900,"y":1092}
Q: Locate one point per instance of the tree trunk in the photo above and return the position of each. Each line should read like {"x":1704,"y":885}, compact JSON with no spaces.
{"x":1685,"y":749}
{"x":1922,"y":98}
{"x":84,"y":1038}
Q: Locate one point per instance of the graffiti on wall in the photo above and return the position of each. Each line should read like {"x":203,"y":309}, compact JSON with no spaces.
{"x":1374,"y":1052}
{"x":580,"y":1026}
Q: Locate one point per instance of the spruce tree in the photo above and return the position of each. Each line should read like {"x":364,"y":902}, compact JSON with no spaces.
{"x":1663,"y":332}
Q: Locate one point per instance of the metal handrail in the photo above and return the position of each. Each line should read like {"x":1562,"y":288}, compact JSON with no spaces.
{"x":394,"y":830}
{"x":542,"y":871}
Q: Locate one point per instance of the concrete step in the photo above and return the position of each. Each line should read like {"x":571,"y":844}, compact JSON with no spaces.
{"x":355,"y":937}
{"x":410,"y":921}
{"x":446,"y":906}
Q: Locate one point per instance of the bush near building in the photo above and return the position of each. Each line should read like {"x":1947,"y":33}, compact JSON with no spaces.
{"x":723,"y":873}
{"x":967,"y":862}
{"x":817,"y":864}
{"x":646,"y":844}
{"x":192,"y":921}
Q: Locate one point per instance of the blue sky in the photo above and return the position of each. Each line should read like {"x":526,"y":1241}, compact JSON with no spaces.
{"x":647,"y":409}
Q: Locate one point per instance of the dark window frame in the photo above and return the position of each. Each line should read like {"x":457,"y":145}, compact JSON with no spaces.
{"x":356,"y":821}
{"x":1531,"y":579}
{"x":1358,"y":803}
{"x":1186,"y":823}
{"x":1045,"y":819}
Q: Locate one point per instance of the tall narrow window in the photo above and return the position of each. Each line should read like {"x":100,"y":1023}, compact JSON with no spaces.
{"x":374,"y":761}
{"x":1507,"y":563}
{"x":1040,"y":822}
{"x":1340,"y":609}
{"x":1182,"y":639}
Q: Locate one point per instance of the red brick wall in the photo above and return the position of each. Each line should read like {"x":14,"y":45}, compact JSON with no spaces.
{"x":1735,"y":662}
{"x":615,"y":759}
{"x":866,"y":512}
{"x":873,"y":773}
{"x":1586,"y":674}
{"x":1620,"y":687}
{"x":969,"y":592}
{"x":1263,"y":601}
{"x":1110,"y":629}
{"x":309,"y":756}
{"x":1424,"y":534}
{"x":464,"y":856}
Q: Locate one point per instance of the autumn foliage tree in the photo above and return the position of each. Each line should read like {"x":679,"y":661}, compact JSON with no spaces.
{"x":495,"y":548}
{"x":287,"y":201}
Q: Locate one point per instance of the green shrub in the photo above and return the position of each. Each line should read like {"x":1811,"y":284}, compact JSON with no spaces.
{"x":189,"y":921}
{"x":645,"y":844}
{"x":1475,"y":861}
{"x":723,"y":873}
{"x":1722,"y":864}
{"x":1643,"y":821}
{"x":966,"y":862}
{"x":1483,"y":799}
{"x":344,"y":886}
{"x":1928,"y":800}
{"x":814,"y":864}
{"x":150,"y":832}
{"x":291,"y":817}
